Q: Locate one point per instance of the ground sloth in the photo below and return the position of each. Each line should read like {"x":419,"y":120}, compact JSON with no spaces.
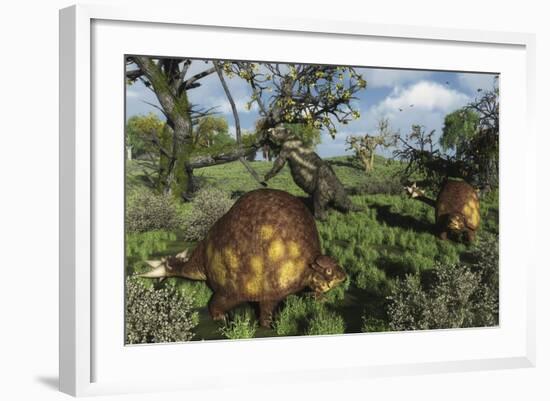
{"x":263,"y":249}
{"x":311,"y":173}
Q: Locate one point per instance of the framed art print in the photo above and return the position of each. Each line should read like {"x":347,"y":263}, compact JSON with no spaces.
{"x":294,"y":199}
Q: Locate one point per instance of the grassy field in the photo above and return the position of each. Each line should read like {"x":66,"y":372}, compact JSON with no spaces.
{"x":392,"y":237}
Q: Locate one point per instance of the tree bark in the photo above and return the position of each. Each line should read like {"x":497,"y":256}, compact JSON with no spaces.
{"x":212,"y":160}
{"x":176,"y":110}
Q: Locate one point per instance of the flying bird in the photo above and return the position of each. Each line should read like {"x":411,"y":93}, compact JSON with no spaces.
{"x":411,"y":105}
{"x":447,"y":82}
{"x":400,"y":109}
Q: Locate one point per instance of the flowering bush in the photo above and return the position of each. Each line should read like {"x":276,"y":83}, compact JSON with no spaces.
{"x":147,"y":211}
{"x":156,"y":316}
{"x":452,"y":296}
{"x":208,"y":205}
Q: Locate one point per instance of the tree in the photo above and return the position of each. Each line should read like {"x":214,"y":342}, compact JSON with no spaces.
{"x":473,"y":134}
{"x":469,"y":145}
{"x":365,"y":146}
{"x":138,"y":134}
{"x":167,"y":78}
{"x":212,"y":131}
{"x":308,"y":135}
{"x":313,"y":95}
{"x":424,"y":159}
{"x":459,"y":128}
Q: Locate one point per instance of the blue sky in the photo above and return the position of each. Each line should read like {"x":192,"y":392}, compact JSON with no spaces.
{"x":389,"y":94}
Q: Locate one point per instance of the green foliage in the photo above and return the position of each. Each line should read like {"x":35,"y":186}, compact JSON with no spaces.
{"x":315,"y":95}
{"x":211,"y":131}
{"x":290,"y":321}
{"x":373,"y":325}
{"x":208,"y":205}
{"x":147,"y":211}
{"x":241,"y":325}
{"x":309,"y":135}
{"x":305,"y":315}
{"x":197,"y":291}
{"x":449,"y":296}
{"x":379,"y":184}
{"x":459,"y":129}
{"x":140,"y":245}
{"x":140,"y":131}
{"x":392,"y":237}
{"x":156,"y":316}
{"x":473,"y":134}
{"x":378,"y":247}
{"x":469,"y":146}
{"x":325,"y":322}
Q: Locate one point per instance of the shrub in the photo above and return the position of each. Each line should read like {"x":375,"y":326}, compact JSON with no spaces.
{"x":485,"y":255}
{"x":139,"y":246}
{"x":325,"y":322}
{"x":450,"y":296}
{"x":290,"y":321}
{"x":199,"y":291}
{"x":147,"y":211}
{"x":305,"y":315}
{"x":242,"y":325}
{"x":373,"y":325}
{"x":155,"y":316}
{"x":389,"y":185}
{"x":207,"y":207}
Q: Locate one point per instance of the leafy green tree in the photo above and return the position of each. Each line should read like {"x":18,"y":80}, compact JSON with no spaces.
{"x":473,"y":134}
{"x":169,"y":80}
{"x":211,"y":132}
{"x":308,"y":134}
{"x":141,"y":131}
{"x":459,"y":128}
{"x":468,"y":146}
{"x":314,"y":95}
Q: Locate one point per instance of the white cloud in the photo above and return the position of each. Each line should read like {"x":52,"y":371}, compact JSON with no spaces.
{"x":472,"y":82}
{"x":430,"y":101}
{"x":377,"y":78}
{"x":423,"y":95}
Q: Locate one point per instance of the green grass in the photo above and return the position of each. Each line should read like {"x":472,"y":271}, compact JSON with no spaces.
{"x":392,"y":237}
{"x":242,"y":324}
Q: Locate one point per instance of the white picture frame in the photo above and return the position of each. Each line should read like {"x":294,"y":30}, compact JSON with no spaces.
{"x":93,"y":358}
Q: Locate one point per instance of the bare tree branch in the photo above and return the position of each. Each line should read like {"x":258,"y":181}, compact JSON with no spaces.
{"x":237,"y":122}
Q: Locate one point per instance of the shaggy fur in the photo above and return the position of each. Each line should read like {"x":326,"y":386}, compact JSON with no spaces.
{"x":310,"y":172}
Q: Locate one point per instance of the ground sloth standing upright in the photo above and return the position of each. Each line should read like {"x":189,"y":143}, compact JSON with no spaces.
{"x":310,"y":172}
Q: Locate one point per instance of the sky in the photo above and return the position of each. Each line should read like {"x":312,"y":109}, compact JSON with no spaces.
{"x":405,"y":97}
